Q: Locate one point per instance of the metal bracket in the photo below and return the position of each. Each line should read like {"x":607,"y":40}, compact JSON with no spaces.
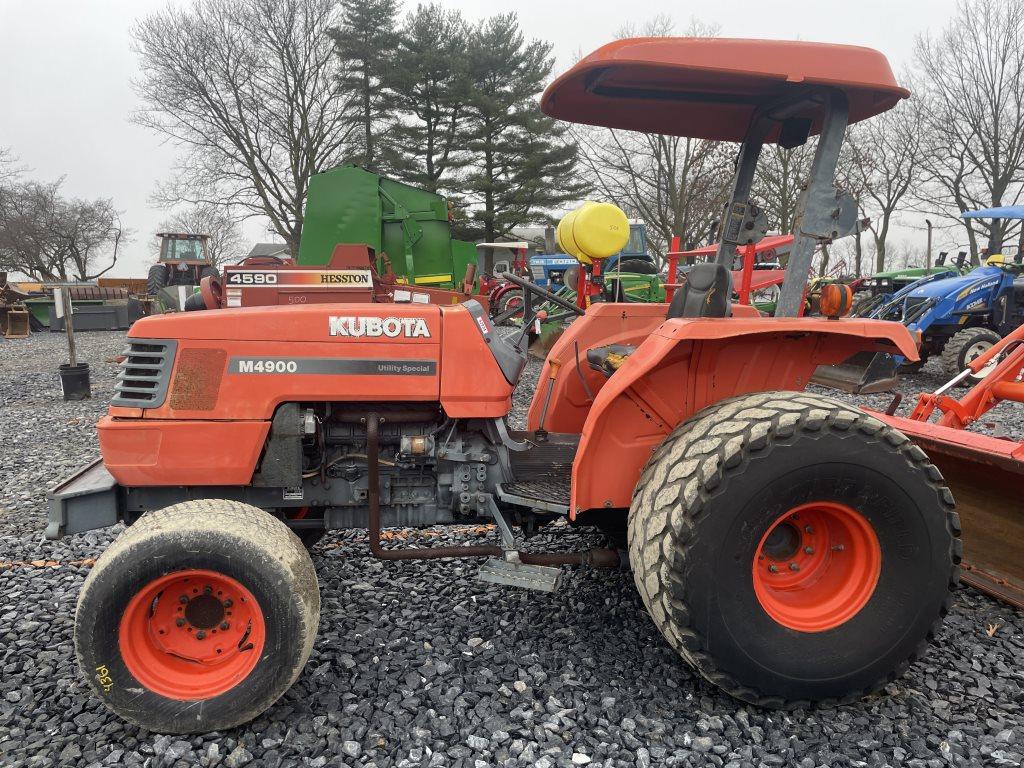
{"x":508,"y":540}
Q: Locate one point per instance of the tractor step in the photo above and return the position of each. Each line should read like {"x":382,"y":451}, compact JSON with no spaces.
{"x":542,"y":578}
{"x":543,"y":472}
{"x":550,"y":491}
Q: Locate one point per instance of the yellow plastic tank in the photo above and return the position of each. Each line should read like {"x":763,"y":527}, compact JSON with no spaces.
{"x":593,"y":231}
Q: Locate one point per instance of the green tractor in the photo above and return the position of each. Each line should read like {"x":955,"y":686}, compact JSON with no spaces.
{"x":888,"y":283}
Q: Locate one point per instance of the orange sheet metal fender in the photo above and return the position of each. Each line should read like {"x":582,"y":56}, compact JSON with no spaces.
{"x":139,"y":452}
{"x":603,"y":324}
{"x":687,"y":365}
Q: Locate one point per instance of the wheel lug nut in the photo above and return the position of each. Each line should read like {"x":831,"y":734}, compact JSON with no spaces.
{"x":183,"y":599}
{"x":224,"y":625}
{"x":227,"y":603}
{"x":773,"y":568}
{"x":808,"y":550}
{"x":207,"y":590}
{"x":794,"y":567}
{"x":808,"y":529}
{"x":200,"y":635}
{"x":179,"y":622}
{"x":838,"y":548}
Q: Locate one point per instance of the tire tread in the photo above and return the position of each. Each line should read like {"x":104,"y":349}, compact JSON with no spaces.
{"x":712,"y":445}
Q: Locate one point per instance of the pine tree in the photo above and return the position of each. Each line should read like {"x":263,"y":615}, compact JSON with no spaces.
{"x":429,"y":87}
{"x":365,"y":41}
{"x":523,"y":165}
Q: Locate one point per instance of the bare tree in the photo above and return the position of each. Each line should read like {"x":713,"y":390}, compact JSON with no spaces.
{"x":779,"y":181}
{"x":226,"y":244}
{"x":972,"y":75}
{"x":883,"y":161}
{"x":51,"y":238}
{"x":10,"y":168}
{"x":676,"y":185}
{"x":247,"y":89}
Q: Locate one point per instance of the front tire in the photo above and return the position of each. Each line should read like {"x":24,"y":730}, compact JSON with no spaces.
{"x":732,"y":492}
{"x":198,"y":617}
{"x":965,"y":346}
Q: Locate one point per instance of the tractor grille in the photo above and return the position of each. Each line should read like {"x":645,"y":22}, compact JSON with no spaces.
{"x":145,"y":372}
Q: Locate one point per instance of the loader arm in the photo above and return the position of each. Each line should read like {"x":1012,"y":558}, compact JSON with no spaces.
{"x":687,"y":365}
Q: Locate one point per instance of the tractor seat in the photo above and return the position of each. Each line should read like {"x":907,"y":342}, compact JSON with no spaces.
{"x":707,"y":292}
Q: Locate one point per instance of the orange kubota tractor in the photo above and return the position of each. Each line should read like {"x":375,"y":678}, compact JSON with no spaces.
{"x":792,"y":548}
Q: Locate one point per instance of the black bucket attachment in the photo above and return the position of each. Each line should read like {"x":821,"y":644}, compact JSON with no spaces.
{"x":865,"y":373}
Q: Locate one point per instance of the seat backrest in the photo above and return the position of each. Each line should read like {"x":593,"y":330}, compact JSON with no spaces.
{"x":707,"y":292}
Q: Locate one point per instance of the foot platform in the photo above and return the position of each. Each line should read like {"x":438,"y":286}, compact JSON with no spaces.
{"x":542,"y":578}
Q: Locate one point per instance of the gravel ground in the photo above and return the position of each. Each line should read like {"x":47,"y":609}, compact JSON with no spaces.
{"x":419,"y":664}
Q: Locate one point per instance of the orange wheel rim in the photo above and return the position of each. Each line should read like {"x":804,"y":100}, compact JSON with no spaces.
{"x":816,"y":566}
{"x":192,"y":634}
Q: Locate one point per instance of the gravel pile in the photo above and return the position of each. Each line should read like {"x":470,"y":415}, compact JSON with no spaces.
{"x":418,"y":664}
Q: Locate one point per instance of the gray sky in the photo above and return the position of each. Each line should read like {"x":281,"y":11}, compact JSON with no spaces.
{"x":66,"y":66}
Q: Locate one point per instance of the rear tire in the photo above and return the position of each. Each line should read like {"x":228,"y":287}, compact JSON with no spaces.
{"x":965,"y":346}
{"x":198,"y":617}
{"x":635,"y":266}
{"x":699,"y":525}
{"x":157,"y":279}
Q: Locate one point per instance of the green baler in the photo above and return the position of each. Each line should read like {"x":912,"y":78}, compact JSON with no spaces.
{"x":349,"y":204}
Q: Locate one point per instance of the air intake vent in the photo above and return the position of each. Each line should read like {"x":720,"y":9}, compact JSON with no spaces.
{"x":145,"y":372}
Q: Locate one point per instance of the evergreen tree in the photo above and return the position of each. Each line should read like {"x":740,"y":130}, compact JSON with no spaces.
{"x":366,"y":40}
{"x":523,"y":166}
{"x":429,"y":88}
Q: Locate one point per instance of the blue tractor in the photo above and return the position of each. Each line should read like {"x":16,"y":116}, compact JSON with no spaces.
{"x":957,"y":318}
{"x":550,"y":270}
{"x":960,"y":317}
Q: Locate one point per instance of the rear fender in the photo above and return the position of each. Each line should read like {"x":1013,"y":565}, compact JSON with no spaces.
{"x":687,"y":365}
{"x":566,"y":375}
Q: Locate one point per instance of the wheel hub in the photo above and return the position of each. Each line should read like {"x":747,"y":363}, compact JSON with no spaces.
{"x":192,"y":634}
{"x":816,"y":566}
{"x":976,"y":350}
{"x":204,"y":611}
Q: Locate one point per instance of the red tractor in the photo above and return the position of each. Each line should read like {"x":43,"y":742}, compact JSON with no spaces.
{"x":791,"y":548}
{"x":184,"y":260}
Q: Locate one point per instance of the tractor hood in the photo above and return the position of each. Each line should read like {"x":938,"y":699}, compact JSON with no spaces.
{"x":406,"y":323}
{"x":940,"y":289}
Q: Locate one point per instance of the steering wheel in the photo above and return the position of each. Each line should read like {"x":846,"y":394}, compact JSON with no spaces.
{"x":545,"y":294}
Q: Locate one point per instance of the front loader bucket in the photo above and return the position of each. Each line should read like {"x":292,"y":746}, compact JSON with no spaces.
{"x":985,"y":475}
{"x":864,"y":373}
{"x":15,"y":322}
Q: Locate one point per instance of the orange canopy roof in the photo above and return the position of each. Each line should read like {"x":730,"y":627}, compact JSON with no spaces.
{"x":708,"y":88}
